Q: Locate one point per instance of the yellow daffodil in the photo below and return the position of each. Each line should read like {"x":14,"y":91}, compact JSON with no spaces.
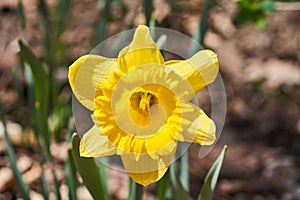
{"x":140,"y":105}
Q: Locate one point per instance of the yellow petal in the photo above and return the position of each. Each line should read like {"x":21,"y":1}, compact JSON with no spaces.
{"x":142,"y":50}
{"x":86,"y":73}
{"x":201,"y":130}
{"x":146,"y":170}
{"x":95,"y":144}
{"x":162,"y":141}
{"x":148,"y":177}
{"x":200,"y":70}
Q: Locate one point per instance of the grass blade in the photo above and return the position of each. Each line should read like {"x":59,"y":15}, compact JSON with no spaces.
{"x":184,"y":171}
{"x":104,"y":176}
{"x":135,"y":191}
{"x":71,"y":175}
{"x":60,"y":53}
{"x":202,"y":28}
{"x":62,"y":11}
{"x":179,"y":191}
{"x":19,"y":103}
{"x":61,"y":114}
{"x":163,"y":186}
{"x":148,"y":9}
{"x":46,"y":31}
{"x":23,"y":188}
{"x":41,"y":91}
{"x":199,"y":36}
{"x":22,"y":17}
{"x":56,"y":184}
{"x":161,"y":41}
{"x":101,"y":26}
{"x":70,"y":164}
{"x":44,"y":184}
{"x":31,"y":100}
{"x":211,"y":178}
{"x":88,"y":170}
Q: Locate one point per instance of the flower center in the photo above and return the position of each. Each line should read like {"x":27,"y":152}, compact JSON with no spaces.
{"x":141,"y":104}
{"x":147,"y":99}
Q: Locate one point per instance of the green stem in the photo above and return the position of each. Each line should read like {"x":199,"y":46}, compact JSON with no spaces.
{"x":135,"y":191}
{"x":148,"y":9}
{"x":139,"y":192}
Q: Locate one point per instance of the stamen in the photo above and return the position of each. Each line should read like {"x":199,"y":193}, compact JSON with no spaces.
{"x":145,"y":101}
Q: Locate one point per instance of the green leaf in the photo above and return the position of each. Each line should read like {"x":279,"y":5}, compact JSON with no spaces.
{"x":44,"y":184}
{"x":184,"y":171}
{"x":135,"y":191}
{"x":103,"y":171}
{"x":179,"y":191}
{"x":62,"y":11}
{"x":163,"y":186}
{"x":20,"y":101}
{"x":268,"y":6}
{"x":88,"y":170}
{"x":102,"y":23}
{"x":202,"y":28}
{"x":58,"y":119}
{"x":23,"y":188}
{"x":46,"y":31}
{"x":250,"y":11}
{"x":55,"y":182}
{"x":22,"y":16}
{"x":70,"y":164}
{"x":40,"y":85}
{"x":148,"y":9}
{"x":71,"y":175}
{"x":211,"y":178}
{"x":37,"y":79}
{"x":261,"y":23}
{"x":161,"y":41}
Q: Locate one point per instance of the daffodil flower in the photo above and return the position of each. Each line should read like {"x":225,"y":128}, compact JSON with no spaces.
{"x":141,"y":106}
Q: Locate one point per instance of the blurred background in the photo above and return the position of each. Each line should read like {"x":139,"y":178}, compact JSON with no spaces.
{"x":258,"y":45}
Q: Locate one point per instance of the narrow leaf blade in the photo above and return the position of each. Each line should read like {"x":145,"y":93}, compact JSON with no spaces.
{"x":23,"y":188}
{"x":71,"y":175}
{"x":148,"y":9}
{"x":40,"y":86}
{"x":102,"y":23}
{"x":179,"y":191}
{"x":22,"y":16}
{"x":211,"y":178}
{"x":135,"y":191}
{"x":104,"y":176}
{"x":163,"y":185}
{"x":184,"y":171}
{"x":88,"y":170}
{"x":202,"y":28}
